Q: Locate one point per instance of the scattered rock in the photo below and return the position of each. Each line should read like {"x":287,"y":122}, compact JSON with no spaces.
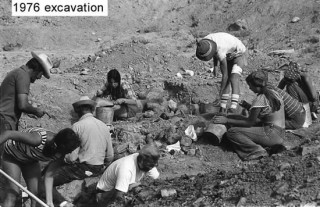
{"x":295,"y":19}
{"x":168,"y":192}
{"x":186,"y":141}
{"x":55,"y":71}
{"x":310,"y":149}
{"x":240,"y":24}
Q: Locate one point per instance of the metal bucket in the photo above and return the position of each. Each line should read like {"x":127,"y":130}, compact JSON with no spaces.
{"x":105,"y":114}
{"x":214,"y":133}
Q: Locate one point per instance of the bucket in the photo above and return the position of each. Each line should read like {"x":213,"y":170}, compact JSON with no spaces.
{"x":214,"y":133}
{"x":105,"y":114}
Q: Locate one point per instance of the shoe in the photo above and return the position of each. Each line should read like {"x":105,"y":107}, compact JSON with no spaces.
{"x":256,"y":155}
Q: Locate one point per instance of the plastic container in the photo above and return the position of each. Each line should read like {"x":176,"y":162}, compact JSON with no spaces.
{"x":214,"y":133}
{"x":105,"y":114}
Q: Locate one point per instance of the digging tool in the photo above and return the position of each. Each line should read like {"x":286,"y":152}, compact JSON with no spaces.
{"x":23,"y":188}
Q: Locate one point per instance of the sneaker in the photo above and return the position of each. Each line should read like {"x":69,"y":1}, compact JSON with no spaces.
{"x":256,"y":155}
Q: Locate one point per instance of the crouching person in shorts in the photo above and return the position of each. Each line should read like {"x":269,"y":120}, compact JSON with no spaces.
{"x":115,"y":181}
{"x":230,"y":52}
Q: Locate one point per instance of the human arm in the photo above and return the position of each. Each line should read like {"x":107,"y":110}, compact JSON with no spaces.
{"x":224,"y":72}
{"x":310,"y":90}
{"x":24,"y":106}
{"x":72,"y":157}
{"x":245,"y":104}
{"x":125,"y":101}
{"x":48,"y":179}
{"x":282,"y":83}
{"x":242,"y":122}
{"x":33,"y":138}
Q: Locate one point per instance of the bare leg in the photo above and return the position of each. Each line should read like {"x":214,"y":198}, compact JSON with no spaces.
{"x":235,"y":83}
{"x":31,"y":174}
{"x":14,"y":171}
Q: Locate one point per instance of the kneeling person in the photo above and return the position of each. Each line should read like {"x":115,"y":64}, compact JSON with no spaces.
{"x":120,"y":174}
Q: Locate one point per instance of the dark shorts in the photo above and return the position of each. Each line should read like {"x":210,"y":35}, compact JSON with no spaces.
{"x":76,"y":171}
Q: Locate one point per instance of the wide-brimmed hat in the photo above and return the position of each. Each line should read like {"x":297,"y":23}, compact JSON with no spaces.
{"x":206,"y":49}
{"x":84,"y":100}
{"x":45,"y":62}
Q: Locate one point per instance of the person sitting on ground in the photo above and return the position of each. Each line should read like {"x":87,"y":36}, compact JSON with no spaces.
{"x":230,"y":52}
{"x":23,"y":151}
{"x":299,"y":85}
{"x":118,"y":92}
{"x":295,"y":114}
{"x":115,"y":181}
{"x":89,"y":159}
{"x":265,"y":125}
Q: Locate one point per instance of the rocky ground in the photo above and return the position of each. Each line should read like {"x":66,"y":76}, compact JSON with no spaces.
{"x":149,"y":43}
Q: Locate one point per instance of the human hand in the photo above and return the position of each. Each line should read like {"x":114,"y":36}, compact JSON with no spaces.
{"x":119,"y":101}
{"x":231,"y":56}
{"x":99,"y":92}
{"x":50,"y":204}
{"x":220,"y":120}
{"x":40,"y":113}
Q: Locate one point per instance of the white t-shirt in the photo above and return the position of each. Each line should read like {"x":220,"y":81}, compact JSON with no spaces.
{"x":123,"y":172}
{"x":226,"y":43}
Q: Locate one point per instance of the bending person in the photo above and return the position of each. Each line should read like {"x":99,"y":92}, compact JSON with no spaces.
{"x":23,"y":151}
{"x":230,"y":52}
{"x":119,"y":93}
{"x":265,"y":125}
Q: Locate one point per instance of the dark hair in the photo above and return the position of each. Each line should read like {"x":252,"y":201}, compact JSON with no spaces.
{"x":34,"y":64}
{"x":65,"y":141}
{"x":260,"y":79}
{"x":117,"y":92}
{"x":85,"y":107}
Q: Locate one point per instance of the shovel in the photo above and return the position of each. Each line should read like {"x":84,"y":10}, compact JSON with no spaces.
{"x":23,"y":188}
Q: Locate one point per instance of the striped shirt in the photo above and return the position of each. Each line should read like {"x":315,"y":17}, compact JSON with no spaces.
{"x":27,"y":153}
{"x":291,"y":105}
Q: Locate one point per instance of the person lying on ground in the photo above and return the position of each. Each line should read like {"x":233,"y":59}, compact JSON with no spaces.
{"x":299,"y":85}
{"x":24,"y":150}
{"x":120,"y":94}
{"x":265,"y":126}
{"x":88,"y":160}
{"x":230,"y":52}
{"x":117,"y":178}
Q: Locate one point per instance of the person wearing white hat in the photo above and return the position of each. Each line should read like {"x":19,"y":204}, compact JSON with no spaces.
{"x":230,"y":52}
{"x":93,"y":155}
{"x":14,"y":91}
